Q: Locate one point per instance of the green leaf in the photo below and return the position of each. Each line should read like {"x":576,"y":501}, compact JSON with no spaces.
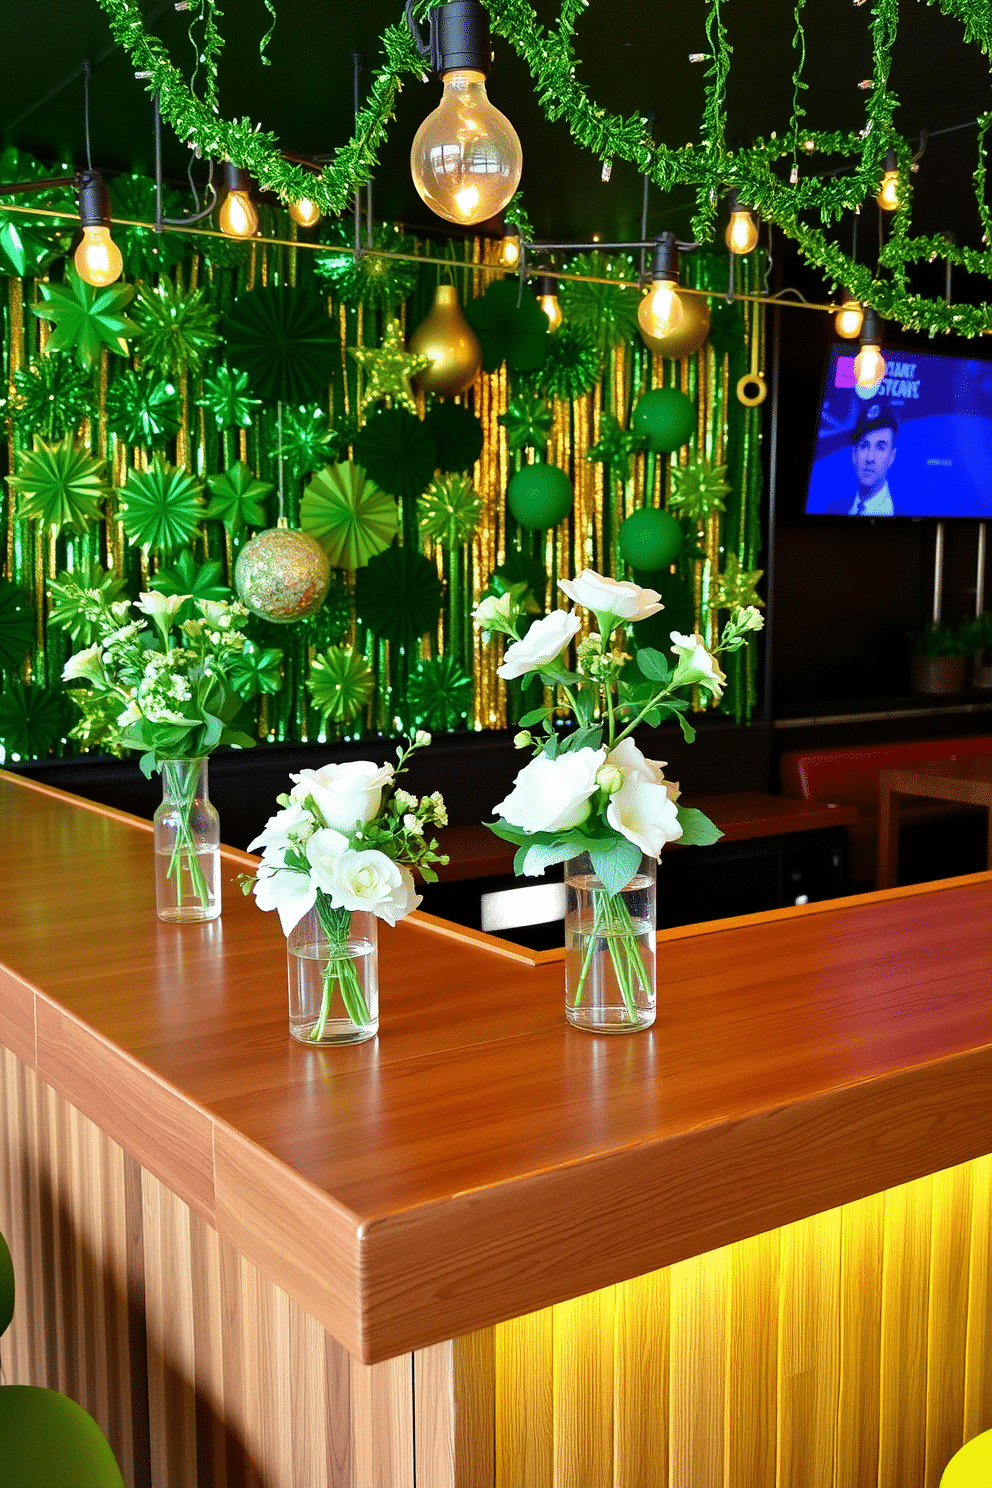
{"x":534,"y":861}
{"x":536,"y":715}
{"x":86,"y":319}
{"x":616,"y":864}
{"x":585,"y":738}
{"x":697,"y":829}
{"x":653,"y":665}
{"x":509,"y":834}
{"x":237,"y":496}
{"x":688,"y":732}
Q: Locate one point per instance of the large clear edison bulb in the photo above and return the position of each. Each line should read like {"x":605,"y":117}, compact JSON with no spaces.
{"x":237,"y":216}
{"x":661,"y":311}
{"x":742,"y":233}
{"x":466,"y":158}
{"x":98,"y":259}
{"x":869,"y":367}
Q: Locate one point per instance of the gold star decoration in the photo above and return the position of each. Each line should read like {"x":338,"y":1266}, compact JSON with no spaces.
{"x":388,"y":369}
{"x":736,"y":587}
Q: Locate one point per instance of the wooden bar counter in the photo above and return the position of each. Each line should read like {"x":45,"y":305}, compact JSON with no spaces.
{"x":747,"y":1249}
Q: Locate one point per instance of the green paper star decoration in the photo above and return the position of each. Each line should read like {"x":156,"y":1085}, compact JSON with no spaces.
{"x":60,"y":485}
{"x":86,"y":319}
{"x":736,"y":587}
{"x":307,"y":441}
{"x":236,"y":498}
{"x":198,"y":580}
{"x":615,"y":446}
{"x":527,"y":421}
{"x":142,"y":409}
{"x":255,"y":670}
{"x":698,"y":489}
{"x":225,"y":397}
{"x":388,"y":369}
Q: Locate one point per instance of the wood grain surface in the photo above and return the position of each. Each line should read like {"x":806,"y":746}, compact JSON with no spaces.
{"x":799,"y":1062}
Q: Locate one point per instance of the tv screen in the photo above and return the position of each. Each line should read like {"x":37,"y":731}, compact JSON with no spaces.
{"x":918,"y":444}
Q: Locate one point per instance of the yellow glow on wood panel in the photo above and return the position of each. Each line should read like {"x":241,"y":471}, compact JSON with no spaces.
{"x":523,"y":1353}
{"x":583,"y":1390}
{"x":978,"y":1361}
{"x":862,"y":1253}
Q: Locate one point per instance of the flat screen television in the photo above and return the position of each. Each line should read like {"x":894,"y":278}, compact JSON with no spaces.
{"x":919,"y":444}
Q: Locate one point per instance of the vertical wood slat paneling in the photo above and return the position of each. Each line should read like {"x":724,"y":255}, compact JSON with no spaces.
{"x":905,"y":1308}
{"x":862,"y":1255}
{"x":947,"y":1324}
{"x":697,"y":1397}
{"x":978,"y":1361}
{"x":809,"y":1351}
{"x":524,"y":1353}
{"x":640,"y":1369}
{"x":583,"y":1390}
{"x":752,"y":1354}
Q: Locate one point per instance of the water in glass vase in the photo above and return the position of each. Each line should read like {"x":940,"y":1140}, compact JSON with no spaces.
{"x":187,"y":845}
{"x":609,"y":950}
{"x":333,"y":985}
{"x":188,"y":883}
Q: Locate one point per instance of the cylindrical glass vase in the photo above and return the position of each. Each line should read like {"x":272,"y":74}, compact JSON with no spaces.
{"x":610,"y":949}
{"x":333,"y":963}
{"x":187,"y":845}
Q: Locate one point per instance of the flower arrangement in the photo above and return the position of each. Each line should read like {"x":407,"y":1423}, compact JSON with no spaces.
{"x":345,"y":841}
{"x":592,"y":791}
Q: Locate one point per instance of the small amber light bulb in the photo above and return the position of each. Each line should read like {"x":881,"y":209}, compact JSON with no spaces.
{"x":547,"y":298}
{"x":237,"y":217}
{"x":304,"y":212}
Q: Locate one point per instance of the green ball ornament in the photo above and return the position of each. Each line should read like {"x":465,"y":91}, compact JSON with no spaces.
{"x":540,"y":496}
{"x":666,"y":418}
{"x":650,"y":539}
{"x":282,"y":575}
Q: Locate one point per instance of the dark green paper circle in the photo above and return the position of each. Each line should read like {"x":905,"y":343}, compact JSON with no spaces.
{"x":397,"y":452}
{"x":284,"y":340}
{"x":458,"y":437}
{"x":398,"y":595}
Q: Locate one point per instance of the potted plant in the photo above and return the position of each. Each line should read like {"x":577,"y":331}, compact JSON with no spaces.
{"x":978,"y":640}
{"x":936,"y":658}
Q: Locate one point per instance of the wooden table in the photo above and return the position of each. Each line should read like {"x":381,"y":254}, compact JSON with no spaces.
{"x":968,"y":781}
{"x":485,"y":1246}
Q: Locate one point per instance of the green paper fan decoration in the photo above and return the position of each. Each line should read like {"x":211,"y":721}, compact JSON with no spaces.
{"x":398,"y":451}
{"x":256,"y":670}
{"x":29,"y":244}
{"x":145,"y":252}
{"x":508,"y":332}
{"x":398,"y":595}
{"x":307,"y":442}
{"x":86,"y":319}
{"x":236,"y":497}
{"x":698,"y":489}
{"x":178,"y":327}
{"x":458,"y":437}
{"x":606,"y":313}
{"x":373,"y":281}
{"x":198,"y":580}
{"x":284,"y":340}
{"x":348,"y":515}
{"x":32,"y":718}
{"x":142,"y":408}
{"x":572,"y":363}
{"x":450,"y":511}
{"x":440,"y":695}
{"x":60,"y":485}
{"x":51,"y":398}
{"x":161,"y":507}
{"x":341,"y":683}
{"x":527,"y":421}
{"x":16,"y":625}
{"x":225,"y":397}
{"x":68,"y":612}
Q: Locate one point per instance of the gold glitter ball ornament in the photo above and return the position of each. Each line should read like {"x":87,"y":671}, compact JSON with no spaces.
{"x":282,"y":575}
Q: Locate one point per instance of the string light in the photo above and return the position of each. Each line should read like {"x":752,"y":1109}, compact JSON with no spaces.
{"x":237,"y":217}
{"x":887,"y":195}
{"x":847,"y":321}
{"x":98,"y":259}
{"x":304,"y":212}
{"x":547,"y":298}
{"x":661,"y":311}
{"x":869,"y":364}
{"x":509,"y":248}
{"x":742,"y":230}
{"x":466,"y":158}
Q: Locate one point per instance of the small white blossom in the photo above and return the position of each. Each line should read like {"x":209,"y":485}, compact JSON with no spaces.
{"x":405,"y":800}
{"x":87,"y":665}
{"x":422,"y":738}
{"x":413,"y":824}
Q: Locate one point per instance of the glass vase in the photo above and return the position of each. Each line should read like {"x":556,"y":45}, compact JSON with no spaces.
{"x":333,"y":962}
{"x":187,"y":845}
{"x":610,"y":949}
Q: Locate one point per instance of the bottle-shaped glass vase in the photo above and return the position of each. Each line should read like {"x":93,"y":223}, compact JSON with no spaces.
{"x":333,"y":964}
{"x":187,"y":845}
{"x":610,"y":949}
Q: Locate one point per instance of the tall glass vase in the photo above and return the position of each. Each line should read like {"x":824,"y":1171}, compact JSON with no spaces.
{"x":333,"y":962}
{"x":610,"y":949}
{"x":187,"y":845}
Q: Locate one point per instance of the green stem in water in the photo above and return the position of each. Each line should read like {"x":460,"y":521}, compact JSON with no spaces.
{"x":611,"y":921}
{"x":182,"y":777}
{"x":339,"y":972}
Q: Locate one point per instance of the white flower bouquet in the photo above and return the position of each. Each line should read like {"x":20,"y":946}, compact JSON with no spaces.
{"x":345,"y":841}
{"x":592,"y":791}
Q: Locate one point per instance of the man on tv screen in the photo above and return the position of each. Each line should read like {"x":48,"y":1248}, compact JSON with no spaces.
{"x":873,"y":449}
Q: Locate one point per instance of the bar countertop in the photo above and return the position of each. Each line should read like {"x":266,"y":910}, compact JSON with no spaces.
{"x":480,"y":1159}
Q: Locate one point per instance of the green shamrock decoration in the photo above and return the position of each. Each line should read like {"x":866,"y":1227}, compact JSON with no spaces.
{"x":527,"y":421}
{"x":348,"y":515}
{"x":398,"y":595}
{"x":69,"y":611}
{"x":142,"y":409}
{"x":698,"y":489}
{"x":16,"y":626}
{"x":508,"y":332}
{"x":198,"y":580}
{"x":450,"y":510}
{"x":572,"y":363}
{"x":32,"y":718}
{"x":51,"y":398}
{"x":607,"y":313}
{"x":615,"y":446}
{"x":178,"y":327}
{"x":440,"y":694}
{"x":161,"y":507}
{"x":255,"y":670}
{"x":341,"y":683}
{"x":86,"y":319}
{"x":236,"y":497}
{"x":307,"y":441}
{"x":225,"y":396}
{"x":60,"y":485}
{"x":145,"y":252}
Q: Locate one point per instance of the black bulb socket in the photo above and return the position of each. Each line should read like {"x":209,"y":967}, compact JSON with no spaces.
{"x":94,"y":200}
{"x":891,"y":163}
{"x":735,"y":203}
{"x":871,"y":329}
{"x":234,"y":177}
{"x":547,"y":284}
{"x":460,"y":38}
{"x":665,"y":263}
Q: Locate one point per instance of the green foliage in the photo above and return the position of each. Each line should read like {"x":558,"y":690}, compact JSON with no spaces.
{"x":161,"y":507}
{"x":941,"y":639}
{"x":198,"y":580}
{"x":179,"y":327}
{"x":51,"y":398}
{"x":70,"y":596}
{"x":236,"y":497}
{"x":60,"y":485}
{"x":86,"y":319}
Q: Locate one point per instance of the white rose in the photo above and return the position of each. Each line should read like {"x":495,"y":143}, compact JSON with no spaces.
{"x":695,"y":664}
{"x":422,"y":738}
{"x":644,"y":813}
{"x":542,"y":644}
{"x":293,"y":821}
{"x":289,"y":891}
{"x":87,"y":665}
{"x":215,"y":612}
{"x":494,"y":612}
{"x":620,"y":598}
{"x":345,"y":795}
{"x":552,"y":795}
{"x":748,"y":619}
{"x":629,"y":760}
{"x":371,"y":881}
{"x":323,"y":850}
